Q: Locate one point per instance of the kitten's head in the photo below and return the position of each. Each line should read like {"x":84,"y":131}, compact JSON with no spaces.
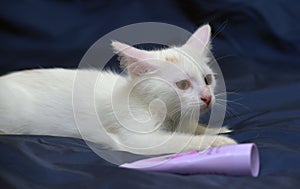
{"x":179,"y":76}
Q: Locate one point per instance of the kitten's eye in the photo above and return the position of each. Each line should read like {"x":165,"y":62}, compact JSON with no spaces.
{"x":208,"y":79}
{"x":183,"y":84}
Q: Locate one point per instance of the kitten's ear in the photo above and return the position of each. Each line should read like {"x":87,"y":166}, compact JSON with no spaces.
{"x":135,"y":60}
{"x":200,"y":39}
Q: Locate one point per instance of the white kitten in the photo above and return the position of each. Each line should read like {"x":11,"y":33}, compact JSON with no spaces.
{"x":152,"y":110}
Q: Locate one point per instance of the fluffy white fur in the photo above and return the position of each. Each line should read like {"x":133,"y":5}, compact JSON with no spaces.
{"x":143,"y":112}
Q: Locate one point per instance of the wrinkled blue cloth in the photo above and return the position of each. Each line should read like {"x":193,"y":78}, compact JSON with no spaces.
{"x":256,"y":43}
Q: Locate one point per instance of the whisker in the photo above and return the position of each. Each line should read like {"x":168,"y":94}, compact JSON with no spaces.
{"x":225,"y":56}
{"x":220,"y":29}
{"x":230,"y":112}
{"x":234,"y":102}
{"x":227,"y":92}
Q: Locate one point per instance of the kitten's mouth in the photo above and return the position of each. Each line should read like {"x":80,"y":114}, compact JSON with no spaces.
{"x":204,"y":107}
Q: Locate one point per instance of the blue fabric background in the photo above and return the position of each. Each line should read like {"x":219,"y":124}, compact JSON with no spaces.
{"x":257,"y":44}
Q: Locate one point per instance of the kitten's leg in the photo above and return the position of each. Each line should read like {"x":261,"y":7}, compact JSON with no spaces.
{"x":225,"y":130}
{"x":163,"y":142}
{"x":201,"y":129}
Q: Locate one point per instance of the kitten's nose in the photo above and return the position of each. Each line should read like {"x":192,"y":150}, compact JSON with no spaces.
{"x":206,"y":99}
{"x":205,"y":95}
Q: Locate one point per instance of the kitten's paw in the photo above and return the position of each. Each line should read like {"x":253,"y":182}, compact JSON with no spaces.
{"x":225,"y":130}
{"x":222,"y":140}
{"x":214,"y":131}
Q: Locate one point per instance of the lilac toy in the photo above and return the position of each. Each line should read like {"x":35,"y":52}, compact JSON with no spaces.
{"x":238,"y":159}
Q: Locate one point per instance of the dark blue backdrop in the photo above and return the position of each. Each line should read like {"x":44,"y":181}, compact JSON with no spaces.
{"x":257,"y":44}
